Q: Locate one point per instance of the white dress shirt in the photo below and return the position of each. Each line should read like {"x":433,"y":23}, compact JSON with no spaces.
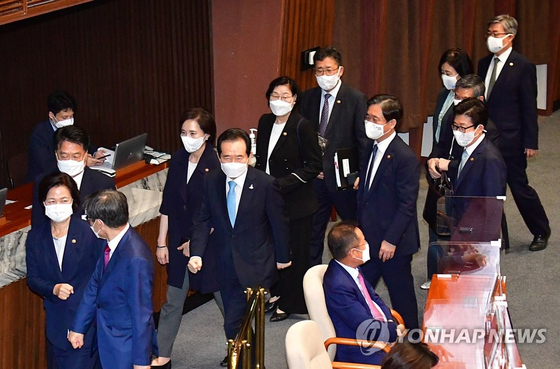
{"x":332,"y":99}
{"x":59,"y":246}
{"x":274,"y":137}
{"x":503,"y":58}
{"x":115,"y":241}
{"x":239,"y":181}
{"x":381,"y":148}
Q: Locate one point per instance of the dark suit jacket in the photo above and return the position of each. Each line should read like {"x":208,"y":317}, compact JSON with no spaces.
{"x":260,"y":237}
{"x":512,"y":105}
{"x":41,"y":151}
{"x":295,"y":162}
{"x":81,"y":253}
{"x":180,"y":203}
{"x":92,"y":181}
{"x":484,"y":173}
{"x":348,"y":309}
{"x":387,"y":211}
{"x":445,"y":121}
{"x":345,"y":128}
{"x":121,"y":298}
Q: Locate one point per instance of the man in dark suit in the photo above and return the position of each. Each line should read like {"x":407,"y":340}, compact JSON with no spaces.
{"x":338,"y":112}
{"x":70,"y":153}
{"x":119,"y":292}
{"x":387,"y":194}
{"x":354,"y":308}
{"x":511,"y":95}
{"x":41,"y":159}
{"x":246,"y":210}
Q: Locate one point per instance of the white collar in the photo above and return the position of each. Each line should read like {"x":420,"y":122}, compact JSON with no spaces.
{"x":470,"y":149}
{"x":354,"y":272}
{"x":503,"y":57}
{"x":383,"y":145}
{"x":115,"y":241}
{"x":239,"y":181}
{"x":332,"y":92}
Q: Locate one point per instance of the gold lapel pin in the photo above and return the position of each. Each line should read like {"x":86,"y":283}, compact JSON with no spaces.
{"x":206,"y":170}
{"x":285,"y":134}
{"x":338,"y":101}
{"x":389,"y":156}
{"x":511,"y":64}
{"x":73,"y":240}
{"x":472,"y":159}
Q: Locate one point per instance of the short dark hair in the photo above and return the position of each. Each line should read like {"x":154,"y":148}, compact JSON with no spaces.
{"x":408,"y":355}
{"x":109,"y":206}
{"x":59,"y":179}
{"x":474,"y":82}
{"x":458,"y":59}
{"x":328,"y":52}
{"x":282,"y":81}
{"x":342,"y":237}
{"x":390,"y":105}
{"x":234,"y":134}
{"x":205,"y":121}
{"x":59,"y":101}
{"x":72,"y":134}
{"x":474,"y":109}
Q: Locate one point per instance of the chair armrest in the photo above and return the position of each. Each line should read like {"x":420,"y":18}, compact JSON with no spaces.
{"x":359,"y":343}
{"x":397,"y":317}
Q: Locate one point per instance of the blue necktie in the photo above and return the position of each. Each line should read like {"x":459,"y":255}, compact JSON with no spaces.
{"x":370,"y":168}
{"x":231,"y":202}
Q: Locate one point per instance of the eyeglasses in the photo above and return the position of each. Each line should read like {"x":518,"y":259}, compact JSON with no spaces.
{"x":495,"y":34}
{"x":328,"y":72}
{"x":285,"y":98}
{"x":459,"y":128}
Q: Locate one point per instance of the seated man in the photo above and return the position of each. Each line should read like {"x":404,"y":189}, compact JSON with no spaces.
{"x":355,"y":309}
{"x":70,"y":153}
{"x":61,"y":114}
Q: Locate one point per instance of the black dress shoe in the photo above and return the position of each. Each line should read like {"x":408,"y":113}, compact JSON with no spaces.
{"x":164,"y":366}
{"x":269,"y":307}
{"x":224,"y":363}
{"x":278,"y":317}
{"x":539,"y":242}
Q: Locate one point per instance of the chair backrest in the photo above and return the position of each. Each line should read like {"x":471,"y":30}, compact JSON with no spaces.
{"x":305,"y":347}
{"x":17,"y":169}
{"x":316,"y":305}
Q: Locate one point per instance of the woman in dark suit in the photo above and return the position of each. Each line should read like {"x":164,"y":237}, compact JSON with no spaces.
{"x":61,"y":257}
{"x":453,"y":64}
{"x":181,"y":198}
{"x":287,"y":149}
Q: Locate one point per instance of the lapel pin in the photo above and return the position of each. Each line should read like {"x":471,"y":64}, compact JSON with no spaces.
{"x":338,"y":101}
{"x":285,"y":134}
{"x":73,"y":240}
{"x":206,"y":170}
{"x":472,"y":159}
{"x":389,"y":156}
{"x":511,"y":64}
{"x":251,"y":187}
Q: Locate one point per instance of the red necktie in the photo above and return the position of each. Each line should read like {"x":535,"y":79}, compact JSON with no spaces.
{"x":375,"y":310}
{"x":106,"y":255}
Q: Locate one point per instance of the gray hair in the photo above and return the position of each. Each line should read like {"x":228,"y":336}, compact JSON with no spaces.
{"x":507,"y":21}
{"x":472,"y":81}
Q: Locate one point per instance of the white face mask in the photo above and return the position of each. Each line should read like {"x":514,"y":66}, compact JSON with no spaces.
{"x":71,"y":167}
{"x":373,"y":130}
{"x":64,"y":123}
{"x":456,"y":101}
{"x":58,"y":212}
{"x":95,"y":233}
{"x":464,"y":139}
{"x":280,"y":108}
{"x":495,"y":44}
{"x":449,"y":81}
{"x":327,"y":83}
{"x":365,"y":254}
{"x":192,"y":144}
{"x":234,"y":170}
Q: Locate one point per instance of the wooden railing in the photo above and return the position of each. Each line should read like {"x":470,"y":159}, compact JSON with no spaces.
{"x":14,"y":10}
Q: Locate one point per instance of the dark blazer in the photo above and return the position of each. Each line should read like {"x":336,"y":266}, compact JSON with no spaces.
{"x":345,"y":128}
{"x":484,"y":173}
{"x":512,"y":105}
{"x":180,"y":203}
{"x":81,"y":253}
{"x":121,"y":298}
{"x":295,"y":162}
{"x":387,"y":211}
{"x":260,"y":237}
{"x":445,"y":121}
{"x":348,"y":309}
{"x":41,"y":158}
{"x":92,"y":181}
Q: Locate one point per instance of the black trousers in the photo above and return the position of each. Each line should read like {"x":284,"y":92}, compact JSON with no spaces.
{"x":346,"y":206}
{"x":397,"y":274}
{"x":525,"y":197}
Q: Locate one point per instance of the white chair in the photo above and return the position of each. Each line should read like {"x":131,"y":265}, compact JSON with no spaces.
{"x":305,"y":348}
{"x":317,"y":307}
